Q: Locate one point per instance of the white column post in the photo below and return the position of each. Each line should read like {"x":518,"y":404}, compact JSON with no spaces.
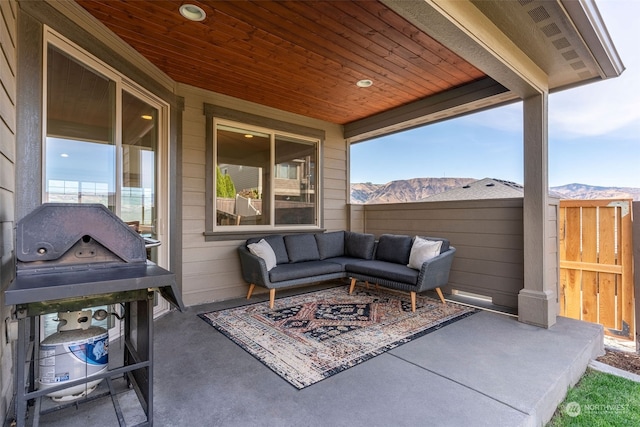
{"x":537,"y":302}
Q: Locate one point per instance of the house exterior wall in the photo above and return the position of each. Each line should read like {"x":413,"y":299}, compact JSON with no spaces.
{"x":488,"y":236}
{"x":8,"y":36}
{"x":211,"y":269}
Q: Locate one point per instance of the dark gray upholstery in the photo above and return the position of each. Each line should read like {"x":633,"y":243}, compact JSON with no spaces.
{"x":388,"y":269}
{"x":359,"y":245}
{"x":394,"y":248}
{"x":302,"y":269}
{"x":384,"y":270}
{"x":343,"y":261}
{"x":276,"y":241}
{"x":301,"y":247}
{"x":330,"y":244}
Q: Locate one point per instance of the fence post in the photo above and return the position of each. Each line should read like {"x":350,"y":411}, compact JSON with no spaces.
{"x":636,"y":264}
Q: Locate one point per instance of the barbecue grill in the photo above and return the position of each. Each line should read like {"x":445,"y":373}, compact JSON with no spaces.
{"x":74,"y":256}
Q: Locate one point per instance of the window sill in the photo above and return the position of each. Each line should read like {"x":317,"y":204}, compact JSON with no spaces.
{"x":220,"y":236}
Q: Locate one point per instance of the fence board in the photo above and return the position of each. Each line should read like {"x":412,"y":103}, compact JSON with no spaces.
{"x":589,"y":254}
{"x":562,"y":254}
{"x":574,"y":277}
{"x":626,"y":259}
{"x":608,"y":298}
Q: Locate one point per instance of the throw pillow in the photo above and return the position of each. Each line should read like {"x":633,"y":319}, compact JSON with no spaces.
{"x":264,"y":251}
{"x":423,"y":250}
{"x":301,"y":247}
{"x":276,"y":241}
{"x":394,"y":248}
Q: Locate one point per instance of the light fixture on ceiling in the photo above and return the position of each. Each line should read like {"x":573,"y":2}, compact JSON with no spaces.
{"x":248,"y":135}
{"x":65,"y":155}
{"x":147,"y":116}
{"x":192,"y":12}
{"x":364,"y":83}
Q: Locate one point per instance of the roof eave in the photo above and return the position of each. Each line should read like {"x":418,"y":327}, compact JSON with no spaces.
{"x":589,"y":24}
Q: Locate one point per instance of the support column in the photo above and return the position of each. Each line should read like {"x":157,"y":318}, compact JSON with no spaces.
{"x":537,"y":302}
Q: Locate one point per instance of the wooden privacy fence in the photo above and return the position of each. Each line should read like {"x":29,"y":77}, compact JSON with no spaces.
{"x":596,"y":264}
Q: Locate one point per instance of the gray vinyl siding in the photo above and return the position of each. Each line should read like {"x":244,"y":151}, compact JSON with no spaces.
{"x":8,"y":34}
{"x":211,"y":270}
{"x":488,"y":236}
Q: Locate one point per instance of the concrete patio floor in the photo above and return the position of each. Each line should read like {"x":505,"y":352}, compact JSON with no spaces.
{"x":484,"y":370}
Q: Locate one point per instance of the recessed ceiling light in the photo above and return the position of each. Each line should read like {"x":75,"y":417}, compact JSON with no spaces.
{"x":364,"y":83}
{"x":65,"y":155}
{"x":248,"y":135}
{"x":192,"y":12}
{"x":147,"y":116}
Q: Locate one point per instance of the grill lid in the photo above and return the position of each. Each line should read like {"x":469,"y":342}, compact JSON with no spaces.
{"x":67,"y":250}
{"x":51,"y":230}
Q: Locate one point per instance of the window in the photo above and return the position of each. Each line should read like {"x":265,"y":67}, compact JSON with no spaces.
{"x":106,"y":141}
{"x":102,"y":139}
{"x":246,"y":158}
{"x":263,"y":173}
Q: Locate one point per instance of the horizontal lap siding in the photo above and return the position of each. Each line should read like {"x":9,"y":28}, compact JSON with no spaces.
{"x":8,"y":29}
{"x":487,"y":234}
{"x":211,"y":270}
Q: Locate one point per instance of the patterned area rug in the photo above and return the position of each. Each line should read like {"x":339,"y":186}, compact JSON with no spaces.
{"x":307,"y":338}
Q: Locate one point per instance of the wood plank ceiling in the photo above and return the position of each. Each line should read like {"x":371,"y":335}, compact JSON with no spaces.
{"x":303,"y":57}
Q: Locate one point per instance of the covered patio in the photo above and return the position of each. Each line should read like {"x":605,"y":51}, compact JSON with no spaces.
{"x":485,"y":370}
{"x":320,"y":76}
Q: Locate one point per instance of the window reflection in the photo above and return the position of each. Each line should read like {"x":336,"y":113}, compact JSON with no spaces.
{"x":245,"y":188}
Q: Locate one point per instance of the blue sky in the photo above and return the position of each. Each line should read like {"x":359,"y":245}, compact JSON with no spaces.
{"x":594,"y":131}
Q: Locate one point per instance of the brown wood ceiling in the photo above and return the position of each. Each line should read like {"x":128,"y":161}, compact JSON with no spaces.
{"x":299,"y":56}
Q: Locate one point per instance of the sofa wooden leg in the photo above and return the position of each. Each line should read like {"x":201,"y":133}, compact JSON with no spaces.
{"x":353,"y":286}
{"x":251,"y":288}
{"x":272,"y":298}
{"x":440,"y":295}
{"x":413,"y":301}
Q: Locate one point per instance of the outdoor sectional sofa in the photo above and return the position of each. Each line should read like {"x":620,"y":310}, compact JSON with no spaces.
{"x":412,"y":264}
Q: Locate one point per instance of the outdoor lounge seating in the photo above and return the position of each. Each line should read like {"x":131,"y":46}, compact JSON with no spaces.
{"x":412,"y":264}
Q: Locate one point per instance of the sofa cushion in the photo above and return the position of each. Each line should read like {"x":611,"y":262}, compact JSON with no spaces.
{"x":385,"y":270}
{"x":264,"y":251}
{"x":302,"y":270}
{"x":330,"y":244}
{"x":276,"y":241}
{"x":423,"y":250}
{"x":301,"y":247}
{"x":393,"y":248}
{"x":359,"y":245}
{"x":343,"y":261}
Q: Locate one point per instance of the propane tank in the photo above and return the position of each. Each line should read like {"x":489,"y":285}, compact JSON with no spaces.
{"x":77,"y":350}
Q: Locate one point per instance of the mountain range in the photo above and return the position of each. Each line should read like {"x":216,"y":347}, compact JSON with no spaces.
{"x":416,"y":189}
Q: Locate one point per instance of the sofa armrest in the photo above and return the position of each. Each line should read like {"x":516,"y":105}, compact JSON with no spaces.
{"x":435,"y":272}
{"x":254,"y":269}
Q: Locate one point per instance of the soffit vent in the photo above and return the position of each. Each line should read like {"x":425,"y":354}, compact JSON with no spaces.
{"x":562,"y":43}
{"x":551,"y":30}
{"x":570,"y":55}
{"x":539,"y":14}
{"x":578,"y":65}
